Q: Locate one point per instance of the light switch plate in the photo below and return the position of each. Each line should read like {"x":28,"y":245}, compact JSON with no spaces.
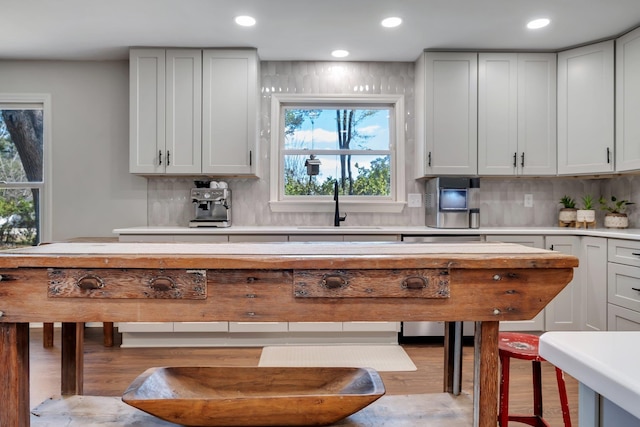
{"x":414,"y":200}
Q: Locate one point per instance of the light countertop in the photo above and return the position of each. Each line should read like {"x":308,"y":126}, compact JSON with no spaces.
{"x":606,"y":362}
{"x":629,"y":233}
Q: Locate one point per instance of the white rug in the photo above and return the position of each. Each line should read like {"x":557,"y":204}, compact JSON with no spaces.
{"x":379,"y":357}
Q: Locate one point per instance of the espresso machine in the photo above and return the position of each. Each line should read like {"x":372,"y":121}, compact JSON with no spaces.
{"x":212,"y":202}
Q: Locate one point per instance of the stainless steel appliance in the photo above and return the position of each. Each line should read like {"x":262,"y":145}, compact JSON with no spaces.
{"x":212,"y":204}
{"x":452,"y":202}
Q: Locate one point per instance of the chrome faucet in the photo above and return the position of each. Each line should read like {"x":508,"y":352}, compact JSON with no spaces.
{"x":337,"y":219}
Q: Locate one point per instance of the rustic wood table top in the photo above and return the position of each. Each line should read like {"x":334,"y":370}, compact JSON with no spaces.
{"x":338,"y":281}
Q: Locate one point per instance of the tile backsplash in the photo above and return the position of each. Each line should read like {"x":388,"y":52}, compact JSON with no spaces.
{"x":502,"y":199}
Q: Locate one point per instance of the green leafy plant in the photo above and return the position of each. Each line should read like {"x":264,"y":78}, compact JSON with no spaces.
{"x":587,"y":202}
{"x":567,"y":202}
{"x":614,"y":205}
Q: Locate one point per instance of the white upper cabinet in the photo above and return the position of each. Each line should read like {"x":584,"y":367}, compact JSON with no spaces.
{"x":517,"y":114}
{"x":230,"y":116}
{"x":628,"y":102}
{"x":586,"y":109}
{"x":193,"y":112}
{"x":165,"y":111}
{"x":446,"y":114}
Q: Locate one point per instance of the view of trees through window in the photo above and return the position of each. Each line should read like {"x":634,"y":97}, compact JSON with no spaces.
{"x":21,"y":175}
{"x":322,"y":145}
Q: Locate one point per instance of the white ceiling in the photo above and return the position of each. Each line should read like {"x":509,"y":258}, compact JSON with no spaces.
{"x":303,"y":29}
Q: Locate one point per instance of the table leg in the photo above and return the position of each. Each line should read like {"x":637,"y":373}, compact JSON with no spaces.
{"x":453,"y":357}
{"x":485,"y":375}
{"x":72,"y":358}
{"x":108,"y":334}
{"x":47,"y":335}
{"x":14,"y":374}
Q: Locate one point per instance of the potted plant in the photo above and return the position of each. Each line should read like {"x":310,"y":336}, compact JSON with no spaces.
{"x":568,"y":213}
{"x":616,"y":216}
{"x":587,"y":213}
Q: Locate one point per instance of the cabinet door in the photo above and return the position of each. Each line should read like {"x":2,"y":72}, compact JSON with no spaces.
{"x":230,"y":112}
{"x":146,"y":110}
{"x":585,"y":109}
{"x":564,"y":312}
{"x":537,"y":145}
{"x":593,"y":270}
{"x":628,"y":101}
{"x":183,"y":140}
{"x":497,"y":113}
{"x":622,"y":319}
{"x":450,"y":96}
{"x":537,"y":323}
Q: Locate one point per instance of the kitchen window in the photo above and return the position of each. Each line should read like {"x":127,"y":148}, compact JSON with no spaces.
{"x":24,"y":124}
{"x":356,"y":141}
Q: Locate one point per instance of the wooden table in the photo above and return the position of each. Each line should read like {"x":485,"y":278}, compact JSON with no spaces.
{"x":299,"y":282}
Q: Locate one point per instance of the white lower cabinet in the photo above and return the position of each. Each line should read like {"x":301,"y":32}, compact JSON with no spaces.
{"x":200,"y":326}
{"x":564,"y":312}
{"x":537,"y":323}
{"x":623,"y":285}
{"x":258,"y":327}
{"x":593,"y":268}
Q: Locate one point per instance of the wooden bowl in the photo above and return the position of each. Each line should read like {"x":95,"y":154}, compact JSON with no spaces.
{"x":254,"y":396}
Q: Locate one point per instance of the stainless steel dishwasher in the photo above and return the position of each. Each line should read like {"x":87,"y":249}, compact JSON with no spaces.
{"x":436,"y":329}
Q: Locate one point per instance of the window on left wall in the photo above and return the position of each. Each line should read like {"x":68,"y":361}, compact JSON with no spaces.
{"x":22,"y":169}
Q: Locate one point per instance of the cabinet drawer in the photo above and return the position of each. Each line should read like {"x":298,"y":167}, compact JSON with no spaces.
{"x":252,"y":327}
{"x":201,"y":327}
{"x":371,"y":326}
{"x":315,"y":326}
{"x":419,"y":283}
{"x":145,"y":327}
{"x":127,"y":283}
{"x":622,"y":319}
{"x":624,"y":252}
{"x":623,"y":286}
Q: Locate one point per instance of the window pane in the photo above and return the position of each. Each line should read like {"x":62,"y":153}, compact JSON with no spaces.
{"x":21,"y":139}
{"x":365,"y":175}
{"x":333,"y":129}
{"x":18,"y":218}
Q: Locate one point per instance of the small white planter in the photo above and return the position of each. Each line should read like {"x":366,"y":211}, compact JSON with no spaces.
{"x":585,"y":215}
{"x":567,"y":216}
{"x":616,"y":220}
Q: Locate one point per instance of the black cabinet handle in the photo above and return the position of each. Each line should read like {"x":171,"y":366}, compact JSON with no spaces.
{"x":635,"y":253}
{"x":168,"y":158}
{"x":551,"y":248}
{"x":159,"y":157}
{"x":515,"y":159}
{"x":250,"y":158}
{"x":635,"y":289}
{"x":608,"y":155}
{"x":429,"y":164}
{"x":522,"y":160}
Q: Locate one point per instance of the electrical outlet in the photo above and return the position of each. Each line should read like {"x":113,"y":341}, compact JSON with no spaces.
{"x":414,"y":200}
{"x":528,"y":200}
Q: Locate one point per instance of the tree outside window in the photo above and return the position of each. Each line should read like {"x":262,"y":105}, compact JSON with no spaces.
{"x":21,"y":175}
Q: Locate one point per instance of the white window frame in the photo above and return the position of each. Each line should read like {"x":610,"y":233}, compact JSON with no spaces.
{"x":23,"y":100}
{"x":393,"y":204}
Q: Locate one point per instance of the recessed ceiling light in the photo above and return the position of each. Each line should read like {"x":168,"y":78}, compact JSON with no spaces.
{"x":391,"y":22}
{"x":538,"y":23}
{"x":245,"y":21}
{"x":339,"y":53}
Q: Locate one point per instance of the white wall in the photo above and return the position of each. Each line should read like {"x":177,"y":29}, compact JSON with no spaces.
{"x":93,"y":192}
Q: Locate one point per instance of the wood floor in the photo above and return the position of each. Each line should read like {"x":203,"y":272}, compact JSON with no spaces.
{"x":108,"y":371}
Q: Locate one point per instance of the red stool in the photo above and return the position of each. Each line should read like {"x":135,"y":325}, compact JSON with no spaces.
{"x":525,"y":347}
